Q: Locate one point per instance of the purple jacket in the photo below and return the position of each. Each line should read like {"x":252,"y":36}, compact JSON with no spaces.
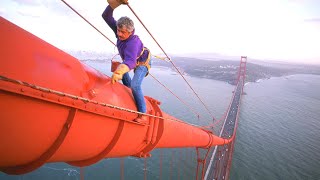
{"x":130,"y":48}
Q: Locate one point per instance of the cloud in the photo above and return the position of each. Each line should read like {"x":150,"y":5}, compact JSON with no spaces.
{"x":38,"y":8}
{"x":29,"y":14}
{"x":312,"y":20}
{"x":2,"y":11}
{"x":245,"y":28}
{"x":28,"y":2}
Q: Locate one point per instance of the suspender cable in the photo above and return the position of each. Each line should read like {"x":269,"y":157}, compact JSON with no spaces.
{"x":171,"y":62}
{"x":195,"y":112}
{"x":160,"y":159}
{"x":81,"y":173}
{"x":122,"y":168}
{"x":145,"y":169}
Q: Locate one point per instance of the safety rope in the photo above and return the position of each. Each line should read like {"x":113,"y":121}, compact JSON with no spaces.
{"x":159,"y":57}
{"x":171,"y":62}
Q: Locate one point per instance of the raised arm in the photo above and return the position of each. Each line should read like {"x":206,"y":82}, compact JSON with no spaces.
{"x":107,"y":15}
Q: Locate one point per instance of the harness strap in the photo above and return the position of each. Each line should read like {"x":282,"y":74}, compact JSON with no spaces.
{"x":144,"y":63}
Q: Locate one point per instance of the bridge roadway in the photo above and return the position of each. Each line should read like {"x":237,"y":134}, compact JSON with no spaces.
{"x":218,"y":166}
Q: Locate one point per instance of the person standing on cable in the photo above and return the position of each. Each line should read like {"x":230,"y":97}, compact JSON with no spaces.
{"x":133,"y":53}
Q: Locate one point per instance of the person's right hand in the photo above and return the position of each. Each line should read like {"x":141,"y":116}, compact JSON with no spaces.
{"x":115,"y":3}
{"x":123,"y":1}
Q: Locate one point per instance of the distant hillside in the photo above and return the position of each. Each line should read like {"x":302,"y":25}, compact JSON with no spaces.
{"x":219,"y":67}
{"x":226,"y":70}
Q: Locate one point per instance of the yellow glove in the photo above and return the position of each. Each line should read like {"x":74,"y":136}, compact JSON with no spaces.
{"x":115,"y":3}
{"x":118,"y":73}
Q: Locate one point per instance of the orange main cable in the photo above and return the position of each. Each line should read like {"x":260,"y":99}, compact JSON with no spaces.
{"x":49,"y":113}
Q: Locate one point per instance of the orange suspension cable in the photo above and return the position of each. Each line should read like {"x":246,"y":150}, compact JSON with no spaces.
{"x":122,"y":168}
{"x":145,"y":168}
{"x":81,"y":173}
{"x":195,"y":112}
{"x":172,"y":62}
{"x":161,"y":155}
{"x":186,"y":159}
{"x":179,"y":162}
{"x":171,"y":163}
{"x":64,"y":99}
{"x":213,"y":124}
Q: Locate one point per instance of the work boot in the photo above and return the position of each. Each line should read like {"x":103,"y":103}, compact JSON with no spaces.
{"x":141,"y":119}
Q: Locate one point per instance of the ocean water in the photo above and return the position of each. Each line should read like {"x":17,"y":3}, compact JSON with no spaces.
{"x":278,"y":134}
{"x":279,"y":130}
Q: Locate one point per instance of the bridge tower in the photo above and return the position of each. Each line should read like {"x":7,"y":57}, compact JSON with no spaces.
{"x":242,"y":68}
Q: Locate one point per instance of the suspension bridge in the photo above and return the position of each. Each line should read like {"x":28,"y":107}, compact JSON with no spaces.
{"x":76,"y":116}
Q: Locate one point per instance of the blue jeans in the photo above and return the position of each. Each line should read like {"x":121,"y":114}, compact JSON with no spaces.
{"x":135,"y":85}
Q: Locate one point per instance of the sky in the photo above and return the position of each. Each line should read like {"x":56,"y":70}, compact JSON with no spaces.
{"x":282,"y":30}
